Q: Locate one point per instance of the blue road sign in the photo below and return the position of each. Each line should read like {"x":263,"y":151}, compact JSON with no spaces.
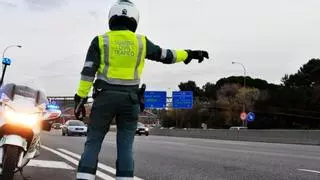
{"x":251,"y":116}
{"x":155,"y":99}
{"x":6,"y":61}
{"x":182,"y":99}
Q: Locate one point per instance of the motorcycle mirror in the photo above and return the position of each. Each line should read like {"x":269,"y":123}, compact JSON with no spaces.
{"x":52,"y":114}
{"x":49,"y":117}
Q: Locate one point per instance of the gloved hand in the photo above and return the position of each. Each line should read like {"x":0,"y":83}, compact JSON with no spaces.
{"x":79,"y":106}
{"x":198,"y":54}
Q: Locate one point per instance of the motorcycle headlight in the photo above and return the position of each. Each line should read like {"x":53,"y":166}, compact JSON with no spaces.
{"x":20,"y":118}
{"x":147,"y":129}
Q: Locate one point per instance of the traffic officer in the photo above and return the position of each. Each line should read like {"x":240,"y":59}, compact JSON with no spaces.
{"x":113,"y":66}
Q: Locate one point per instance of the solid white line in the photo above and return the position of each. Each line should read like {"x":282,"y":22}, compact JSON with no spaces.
{"x":100,"y":165}
{"x":49,"y":164}
{"x":75,"y":162}
{"x":307,"y":170}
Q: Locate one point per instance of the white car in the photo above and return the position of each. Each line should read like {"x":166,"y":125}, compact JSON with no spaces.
{"x":74,"y":127}
{"x":142,"y":129}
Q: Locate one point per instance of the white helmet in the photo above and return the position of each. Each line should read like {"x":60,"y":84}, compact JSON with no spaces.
{"x":124,"y":8}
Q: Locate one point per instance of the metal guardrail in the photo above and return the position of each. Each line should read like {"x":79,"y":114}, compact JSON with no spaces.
{"x":307,"y":137}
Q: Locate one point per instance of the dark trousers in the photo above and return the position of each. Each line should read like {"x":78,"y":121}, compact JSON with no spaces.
{"x":124,"y":107}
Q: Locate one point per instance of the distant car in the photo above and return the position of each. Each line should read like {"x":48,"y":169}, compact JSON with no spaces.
{"x":74,"y":127}
{"x":142,"y":129}
{"x":56,"y":126}
{"x":238,"y":128}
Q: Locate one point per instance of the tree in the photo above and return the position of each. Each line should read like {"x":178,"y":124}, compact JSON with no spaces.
{"x":300,"y":89}
{"x":191,"y":86}
{"x":191,"y":118}
{"x":228,"y":91}
{"x":250,"y":82}
{"x":293,"y":104}
{"x":167,"y":119}
{"x":315,"y":98}
{"x":307,"y":76}
{"x":209,"y":91}
{"x":230,"y":80}
{"x":232,"y":97}
{"x":248,"y":96}
{"x":226,"y":99}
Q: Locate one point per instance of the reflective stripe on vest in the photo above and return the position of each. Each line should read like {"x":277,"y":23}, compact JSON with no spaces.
{"x":113,"y":68}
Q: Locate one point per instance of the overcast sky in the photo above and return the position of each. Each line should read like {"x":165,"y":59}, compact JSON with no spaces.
{"x":271,"y":38}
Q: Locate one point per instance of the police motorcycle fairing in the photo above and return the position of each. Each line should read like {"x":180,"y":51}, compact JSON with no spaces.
{"x":23,"y":114}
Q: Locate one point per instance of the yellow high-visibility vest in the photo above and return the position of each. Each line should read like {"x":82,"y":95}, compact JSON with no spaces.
{"x":123,"y":56}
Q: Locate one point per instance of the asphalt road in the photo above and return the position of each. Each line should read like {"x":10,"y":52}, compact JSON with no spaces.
{"x":158,"y":157}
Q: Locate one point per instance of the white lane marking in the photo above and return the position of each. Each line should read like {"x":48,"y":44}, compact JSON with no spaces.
{"x":100,"y":165}
{"x":307,"y":170}
{"x":75,"y":162}
{"x":49,"y":164}
{"x":163,"y":142}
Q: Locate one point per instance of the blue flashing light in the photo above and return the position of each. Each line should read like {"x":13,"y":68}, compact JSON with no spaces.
{"x":6,"y":61}
{"x":52,"y":106}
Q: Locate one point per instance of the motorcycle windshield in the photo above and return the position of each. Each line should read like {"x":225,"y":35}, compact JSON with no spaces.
{"x":10,"y":90}
{"x":23,"y":98}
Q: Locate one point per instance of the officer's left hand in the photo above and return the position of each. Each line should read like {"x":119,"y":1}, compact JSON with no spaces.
{"x":197,"y":54}
{"x":79,"y":105}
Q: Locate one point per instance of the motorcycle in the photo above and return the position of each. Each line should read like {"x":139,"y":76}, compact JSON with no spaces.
{"x":24,"y":113}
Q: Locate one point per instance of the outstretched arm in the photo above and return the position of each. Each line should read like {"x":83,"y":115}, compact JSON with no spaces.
{"x":170,"y":56}
{"x":166,"y":56}
{"x":89,"y":69}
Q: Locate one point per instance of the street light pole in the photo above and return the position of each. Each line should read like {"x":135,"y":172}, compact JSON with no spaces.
{"x":244,"y":85}
{"x":5,"y":64}
{"x":244,"y":73}
{"x":4,"y":51}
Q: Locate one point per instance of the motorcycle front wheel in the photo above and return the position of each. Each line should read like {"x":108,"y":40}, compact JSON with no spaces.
{"x":10,"y":161}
